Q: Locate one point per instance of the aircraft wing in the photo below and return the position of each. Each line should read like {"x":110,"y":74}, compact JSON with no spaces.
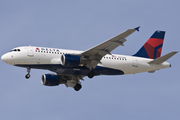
{"x":94,"y":55}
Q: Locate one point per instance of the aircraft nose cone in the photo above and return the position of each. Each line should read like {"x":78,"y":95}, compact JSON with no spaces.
{"x":3,"y":58}
{"x":8,"y":58}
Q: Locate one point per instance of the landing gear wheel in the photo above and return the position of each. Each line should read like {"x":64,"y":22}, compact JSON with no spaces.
{"x":27,"y":76}
{"x":77,"y":87}
{"x":91,"y":74}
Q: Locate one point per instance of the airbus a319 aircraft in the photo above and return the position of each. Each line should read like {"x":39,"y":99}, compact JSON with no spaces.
{"x":71,"y":66}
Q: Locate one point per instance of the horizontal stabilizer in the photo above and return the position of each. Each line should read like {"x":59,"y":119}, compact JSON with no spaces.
{"x":163,"y":58}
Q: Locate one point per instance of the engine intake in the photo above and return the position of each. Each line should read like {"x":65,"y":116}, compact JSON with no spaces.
{"x":70,"y":60}
{"x":50,"y":80}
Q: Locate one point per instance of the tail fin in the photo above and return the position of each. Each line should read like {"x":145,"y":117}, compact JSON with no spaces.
{"x":153,"y":47}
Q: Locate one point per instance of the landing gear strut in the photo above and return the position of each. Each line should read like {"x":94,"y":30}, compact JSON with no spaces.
{"x":28,"y":75}
{"x":77,"y":87}
{"x":91,"y":74}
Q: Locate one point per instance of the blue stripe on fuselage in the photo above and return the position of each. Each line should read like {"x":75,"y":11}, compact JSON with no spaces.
{"x":79,"y":70}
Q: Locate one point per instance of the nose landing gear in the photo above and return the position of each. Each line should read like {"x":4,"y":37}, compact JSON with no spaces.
{"x":28,"y":75}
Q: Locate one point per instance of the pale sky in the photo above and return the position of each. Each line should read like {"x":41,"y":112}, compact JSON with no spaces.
{"x":80,"y":25}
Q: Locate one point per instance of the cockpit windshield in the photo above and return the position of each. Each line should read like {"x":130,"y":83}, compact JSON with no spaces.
{"x":15,"y":50}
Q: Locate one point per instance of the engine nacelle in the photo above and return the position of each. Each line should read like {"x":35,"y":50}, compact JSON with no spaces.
{"x":70,"y":60}
{"x":50,"y":80}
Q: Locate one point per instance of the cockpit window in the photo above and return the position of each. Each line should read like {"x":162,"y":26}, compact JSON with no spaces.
{"x":15,"y":50}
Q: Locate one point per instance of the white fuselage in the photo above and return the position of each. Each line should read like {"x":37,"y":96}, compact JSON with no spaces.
{"x":30,"y":55}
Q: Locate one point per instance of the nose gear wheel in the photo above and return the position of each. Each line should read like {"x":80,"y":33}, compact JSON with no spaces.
{"x":28,"y":75}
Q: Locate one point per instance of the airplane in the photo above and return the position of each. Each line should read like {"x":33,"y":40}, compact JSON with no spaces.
{"x":71,"y":66}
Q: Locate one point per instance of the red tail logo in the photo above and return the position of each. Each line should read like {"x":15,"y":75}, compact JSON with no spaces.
{"x":153,"y":47}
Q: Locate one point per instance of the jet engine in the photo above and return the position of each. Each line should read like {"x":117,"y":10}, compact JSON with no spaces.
{"x":70,"y":60}
{"x":50,"y":80}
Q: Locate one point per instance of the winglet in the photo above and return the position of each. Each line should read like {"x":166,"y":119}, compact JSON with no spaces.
{"x":137,"y":28}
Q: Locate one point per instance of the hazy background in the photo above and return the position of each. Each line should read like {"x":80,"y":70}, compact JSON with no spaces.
{"x":80,"y":25}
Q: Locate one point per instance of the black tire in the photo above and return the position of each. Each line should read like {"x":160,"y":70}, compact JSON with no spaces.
{"x":27,"y":76}
{"x":91,"y":74}
{"x":77,"y":87}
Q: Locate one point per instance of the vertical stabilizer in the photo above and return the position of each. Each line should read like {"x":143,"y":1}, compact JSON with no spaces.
{"x":153,"y":47}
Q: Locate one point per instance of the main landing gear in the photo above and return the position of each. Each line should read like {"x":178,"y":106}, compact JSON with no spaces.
{"x":91,"y":74}
{"x":28,"y":75}
{"x":77,"y":87}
